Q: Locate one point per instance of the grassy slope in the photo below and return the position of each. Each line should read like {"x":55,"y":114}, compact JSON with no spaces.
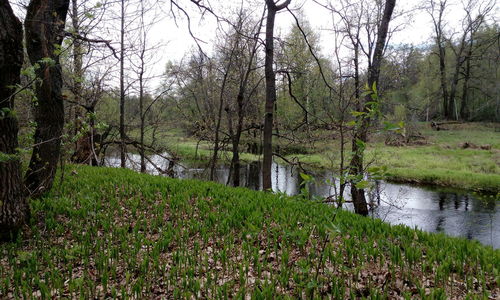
{"x":441,"y":162}
{"x":111,"y":232}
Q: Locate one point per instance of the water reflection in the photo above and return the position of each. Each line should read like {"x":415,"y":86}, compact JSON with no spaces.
{"x":428,"y":208}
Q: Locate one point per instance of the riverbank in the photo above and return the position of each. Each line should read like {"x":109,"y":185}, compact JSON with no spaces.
{"x":441,"y":160}
{"x":115,"y":233}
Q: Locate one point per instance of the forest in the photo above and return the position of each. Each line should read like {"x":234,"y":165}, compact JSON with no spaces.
{"x":254,"y":149}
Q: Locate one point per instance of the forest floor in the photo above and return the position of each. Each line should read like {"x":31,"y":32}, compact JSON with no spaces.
{"x":465,"y":156}
{"x":115,"y":233}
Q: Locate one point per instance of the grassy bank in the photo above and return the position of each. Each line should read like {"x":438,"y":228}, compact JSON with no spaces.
{"x":115,"y":233}
{"x":441,"y":161}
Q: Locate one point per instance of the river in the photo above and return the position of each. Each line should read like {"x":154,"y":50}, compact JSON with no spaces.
{"x":429,"y":208}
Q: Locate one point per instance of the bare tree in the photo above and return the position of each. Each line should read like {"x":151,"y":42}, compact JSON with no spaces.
{"x":247,"y":88}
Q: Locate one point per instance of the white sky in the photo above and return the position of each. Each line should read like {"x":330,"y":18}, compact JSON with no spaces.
{"x":176,"y":40}
{"x":417,"y":31}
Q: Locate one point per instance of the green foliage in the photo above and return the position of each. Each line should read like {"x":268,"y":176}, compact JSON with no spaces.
{"x":115,"y":232}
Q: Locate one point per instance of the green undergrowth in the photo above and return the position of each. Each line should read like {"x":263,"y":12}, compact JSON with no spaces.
{"x":441,"y":161}
{"x":114,"y":233}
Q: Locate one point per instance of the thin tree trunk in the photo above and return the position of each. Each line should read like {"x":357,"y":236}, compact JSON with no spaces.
{"x":123,"y":148}
{"x":235,"y":162}
{"x":464,"y":112}
{"x":438,"y":30}
{"x":356,"y":166}
{"x":442,"y":78}
{"x":219,"y":112}
{"x":452,"y":111}
{"x":141,"y":109}
{"x":13,"y":205}
{"x":83,"y":146}
{"x":45,"y":21}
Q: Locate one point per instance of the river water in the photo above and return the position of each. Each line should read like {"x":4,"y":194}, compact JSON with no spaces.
{"x":433,"y":209}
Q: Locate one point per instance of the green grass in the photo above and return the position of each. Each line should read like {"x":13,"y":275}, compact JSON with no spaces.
{"x":189,"y":150}
{"x":113,"y":233}
{"x":441,"y":162}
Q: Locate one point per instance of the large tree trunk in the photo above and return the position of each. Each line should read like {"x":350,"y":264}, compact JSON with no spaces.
{"x":267,"y":162}
{"x":270,"y":99}
{"x":361,"y":134}
{"x":13,"y":205}
{"x":45,"y":20}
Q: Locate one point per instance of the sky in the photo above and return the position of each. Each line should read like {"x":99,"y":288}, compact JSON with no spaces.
{"x":414,"y":25}
{"x":173,"y":39}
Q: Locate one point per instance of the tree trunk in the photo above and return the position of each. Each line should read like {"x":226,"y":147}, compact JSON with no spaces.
{"x":236,"y":139}
{"x":83,"y":146}
{"x":141,"y":109}
{"x":123,"y":148}
{"x":452,"y":108}
{"x":270,"y":99}
{"x":267,"y":162}
{"x":13,"y":205}
{"x":438,"y":30}
{"x":356,"y":167}
{"x":442,"y":77}
{"x":45,"y":21}
{"x":464,"y":112}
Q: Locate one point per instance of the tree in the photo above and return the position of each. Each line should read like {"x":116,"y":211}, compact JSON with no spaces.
{"x":370,"y":103}
{"x":123,"y":136}
{"x":13,"y":204}
{"x":272,"y":9}
{"x":436,"y":12}
{"x":45,"y":22}
{"x":84,"y":76}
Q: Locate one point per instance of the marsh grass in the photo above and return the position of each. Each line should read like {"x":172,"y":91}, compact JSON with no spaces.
{"x":114,"y":233}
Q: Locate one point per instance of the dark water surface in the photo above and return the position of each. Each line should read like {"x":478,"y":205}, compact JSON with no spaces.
{"x":432,"y":209}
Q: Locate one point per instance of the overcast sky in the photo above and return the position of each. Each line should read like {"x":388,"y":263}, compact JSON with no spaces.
{"x":417,"y":28}
{"x":173,"y":33}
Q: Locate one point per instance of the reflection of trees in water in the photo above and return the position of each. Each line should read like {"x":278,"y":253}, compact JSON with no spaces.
{"x":466,"y":215}
{"x":442,"y":200}
{"x":440,"y":223}
{"x":253,"y":177}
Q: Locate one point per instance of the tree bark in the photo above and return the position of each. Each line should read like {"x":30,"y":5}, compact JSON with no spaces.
{"x":267,"y":162}
{"x":13,"y":205}
{"x":45,"y":21}
{"x":83,"y":147}
{"x":356,"y":167}
{"x":464,"y":111}
{"x":438,"y":30}
{"x":123,"y":148}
